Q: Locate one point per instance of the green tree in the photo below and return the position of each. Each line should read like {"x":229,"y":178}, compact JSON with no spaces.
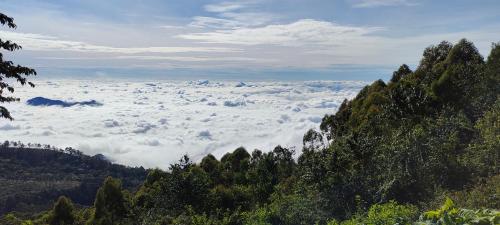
{"x":110,"y":204}
{"x":212,"y":167}
{"x":483,"y":155}
{"x":400,"y":73}
{"x":235,"y":166}
{"x":62,"y":213}
{"x":10,"y":71}
{"x":463,"y":71}
{"x":313,"y":140}
{"x":433,"y":56}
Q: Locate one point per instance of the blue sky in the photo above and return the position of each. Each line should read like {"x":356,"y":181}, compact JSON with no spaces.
{"x":242,"y":40}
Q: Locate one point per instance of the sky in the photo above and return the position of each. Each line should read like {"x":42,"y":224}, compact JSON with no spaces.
{"x":240,"y":40}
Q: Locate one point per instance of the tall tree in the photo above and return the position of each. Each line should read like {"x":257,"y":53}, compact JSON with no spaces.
{"x":62,"y":214}
{"x":8,"y":70}
{"x":110,"y":203}
{"x":400,"y":73}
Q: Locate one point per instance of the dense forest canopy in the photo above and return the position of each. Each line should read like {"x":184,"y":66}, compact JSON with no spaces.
{"x":394,"y":151}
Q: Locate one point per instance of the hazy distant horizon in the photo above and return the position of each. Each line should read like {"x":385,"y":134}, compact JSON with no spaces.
{"x":242,"y":74}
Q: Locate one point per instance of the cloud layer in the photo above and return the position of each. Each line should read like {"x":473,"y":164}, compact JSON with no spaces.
{"x":154,"y":123}
{"x":39,"y":42}
{"x":301,"y":32}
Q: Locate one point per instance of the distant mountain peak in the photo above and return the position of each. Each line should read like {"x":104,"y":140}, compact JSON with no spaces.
{"x":41,"y":101}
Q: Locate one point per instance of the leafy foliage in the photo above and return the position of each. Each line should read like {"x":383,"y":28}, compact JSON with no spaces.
{"x":110,"y":205}
{"x":381,"y":214}
{"x":62,"y":214}
{"x":448,"y":214}
{"x":8,"y":70}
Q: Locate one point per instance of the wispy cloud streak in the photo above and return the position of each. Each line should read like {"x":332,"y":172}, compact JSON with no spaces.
{"x":306,"y":31}
{"x":377,"y":3}
{"x":39,"y":42}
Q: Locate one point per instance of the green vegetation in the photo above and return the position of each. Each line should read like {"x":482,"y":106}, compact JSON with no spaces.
{"x":33,"y":176}
{"x":390,"y":156}
{"x":62,"y":212}
{"x":379,"y":214}
{"x":449,"y":214}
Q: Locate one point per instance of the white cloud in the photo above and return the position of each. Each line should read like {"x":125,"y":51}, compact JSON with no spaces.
{"x":9,"y":127}
{"x":250,"y":19}
{"x":149,"y":142}
{"x":146,"y":135}
{"x":185,"y":58}
{"x":111,"y":123}
{"x":231,"y":15}
{"x":309,"y":43}
{"x":306,"y":31}
{"x":376,"y":3}
{"x":39,"y":42}
{"x":224,"y":7}
{"x":143,"y":127}
{"x":237,"y":102}
{"x":212,"y":22}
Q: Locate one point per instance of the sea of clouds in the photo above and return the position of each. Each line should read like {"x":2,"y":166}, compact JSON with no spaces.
{"x":152,"y":124}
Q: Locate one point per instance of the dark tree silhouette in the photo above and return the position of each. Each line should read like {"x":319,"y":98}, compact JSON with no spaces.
{"x":10,"y":71}
{"x":402,"y":71}
{"x":110,"y":203}
{"x":62,"y":213}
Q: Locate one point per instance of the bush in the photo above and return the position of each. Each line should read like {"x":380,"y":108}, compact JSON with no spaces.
{"x":382,"y":214}
{"x":448,"y":214}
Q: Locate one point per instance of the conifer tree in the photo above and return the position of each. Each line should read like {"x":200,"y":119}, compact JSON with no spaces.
{"x":62,"y":213}
{"x":110,"y":203}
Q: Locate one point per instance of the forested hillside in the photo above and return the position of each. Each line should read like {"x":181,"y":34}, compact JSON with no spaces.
{"x":392,"y":155}
{"x":34,"y":176}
